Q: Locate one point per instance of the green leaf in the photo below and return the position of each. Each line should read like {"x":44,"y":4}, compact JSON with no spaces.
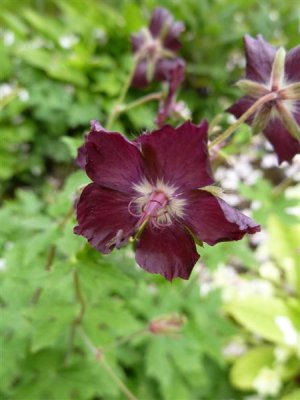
{"x":294,"y":395}
{"x":258,"y":314}
{"x":247,"y":367}
{"x":283,"y":243}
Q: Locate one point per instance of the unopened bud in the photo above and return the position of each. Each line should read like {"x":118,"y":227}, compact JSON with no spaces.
{"x":167,"y":324}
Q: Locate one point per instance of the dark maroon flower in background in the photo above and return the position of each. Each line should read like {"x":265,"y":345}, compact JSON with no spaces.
{"x":154,"y":190}
{"x":169,"y":107}
{"x":271,"y":70}
{"x":156,"y":48}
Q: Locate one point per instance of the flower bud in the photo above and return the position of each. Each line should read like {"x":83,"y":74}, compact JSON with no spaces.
{"x":167,"y":324}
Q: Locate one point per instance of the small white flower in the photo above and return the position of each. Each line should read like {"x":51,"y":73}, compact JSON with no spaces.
{"x":2,"y":264}
{"x":5,"y":90}
{"x":269,"y":161}
{"x":23,"y":95}
{"x":288,"y":330}
{"x":268,"y":271}
{"x":234,"y":349}
{"x":281,"y":354}
{"x":267,"y":382}
{"x":68,"y":41}
{"x":8,"y":38}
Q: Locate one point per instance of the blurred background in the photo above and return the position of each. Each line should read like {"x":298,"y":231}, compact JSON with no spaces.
{"x":76,"y":325}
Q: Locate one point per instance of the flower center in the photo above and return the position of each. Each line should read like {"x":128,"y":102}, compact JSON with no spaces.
{"x":156,"y":204}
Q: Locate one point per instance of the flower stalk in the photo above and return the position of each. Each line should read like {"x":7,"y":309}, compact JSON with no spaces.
{"x":99,"y":356}
{"x":256,"y":106}
{"x":116,"y":109}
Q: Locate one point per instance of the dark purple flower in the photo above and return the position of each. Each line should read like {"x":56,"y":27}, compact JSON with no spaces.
{"x":271,"y":70}
{"x":81,"y":157}
{"x":169,"y":107}
{"x":155,"y":190}
{"x":156,"y":48}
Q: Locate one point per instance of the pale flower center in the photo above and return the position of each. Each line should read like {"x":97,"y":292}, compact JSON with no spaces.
{"x":157,"y":204}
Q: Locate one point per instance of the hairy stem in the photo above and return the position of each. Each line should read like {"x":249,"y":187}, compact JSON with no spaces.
{"x":116,"y":109}
{"x":283,"y":185}
{"x":265,"y":99}
{"x":142,"y":100}
{"x":101,"y":359}
{"x":52,"y":254}
{"x":79,"y":298}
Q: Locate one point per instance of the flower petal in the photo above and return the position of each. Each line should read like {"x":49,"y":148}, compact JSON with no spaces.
{"x":260,"y":56}
{"x":81,"y":157}
{"x":159,"y":19}
{"x":169,"y":251}
{"x":137,"y":41}
{"x":178,"y":156}
{"x":163,"y":24}
{"x":139,"y":79}
{"x":241,"y":106}
{"x":112,"y":160}
{"x":165,"y":67}
{"x":285,"y":145}
{"x":175,"y":79}
{"x":171,"y":41}
{"x":103,"y":217}
{"x":292,"y":65}
{"x":212,"y":220}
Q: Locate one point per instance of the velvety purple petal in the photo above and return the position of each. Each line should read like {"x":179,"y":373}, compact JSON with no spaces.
{"x":260,"y":56}
{"x":212,"y":220}
{"x":112,"y":160}
{"x":285,"y":145}
{"x":169,"y":251}
{"x":292,"y":65}
{"x":162,"y":72}
{"x":160,"y":17}
{"x":178,"y":156}
{"x":165,"y":67}
{"x":137,"y":41}
{"x":140,"y":75}
{"x":171,"y":41}
{"x":241,"y":106}
{"x":175,"y":79}
{"x":81,"y":157}
{"x":102,"y":214}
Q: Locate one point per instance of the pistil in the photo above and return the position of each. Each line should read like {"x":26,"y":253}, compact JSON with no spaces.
{"x":157,"y":201}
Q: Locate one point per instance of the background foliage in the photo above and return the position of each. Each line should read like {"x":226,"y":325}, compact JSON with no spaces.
{"x":62,"y":64}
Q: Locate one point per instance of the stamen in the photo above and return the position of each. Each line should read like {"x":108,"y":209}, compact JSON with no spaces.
{"x":130,"y":206}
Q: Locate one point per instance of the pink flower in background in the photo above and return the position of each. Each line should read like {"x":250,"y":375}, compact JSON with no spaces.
{"x":271,"y":70}
{"x":156,"y":48}
{"x":154,"y":190}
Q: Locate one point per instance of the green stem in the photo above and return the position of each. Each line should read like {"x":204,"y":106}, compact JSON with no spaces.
{"x":283,"y":185}
{"x":78,"y":320}
{"x":142,"y":100}
{"x":125,"y":339}
{"x":115,"y":111}
{"x":79,"y":297}
{"x":101,"y":359}
{"x":265,"y":99}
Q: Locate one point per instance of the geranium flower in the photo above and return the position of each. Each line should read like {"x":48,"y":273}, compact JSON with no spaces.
{"x":169,"y":107}
{"x":271,"y":70}
{"x":155,"y":191}
{"x":156,"y":48}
